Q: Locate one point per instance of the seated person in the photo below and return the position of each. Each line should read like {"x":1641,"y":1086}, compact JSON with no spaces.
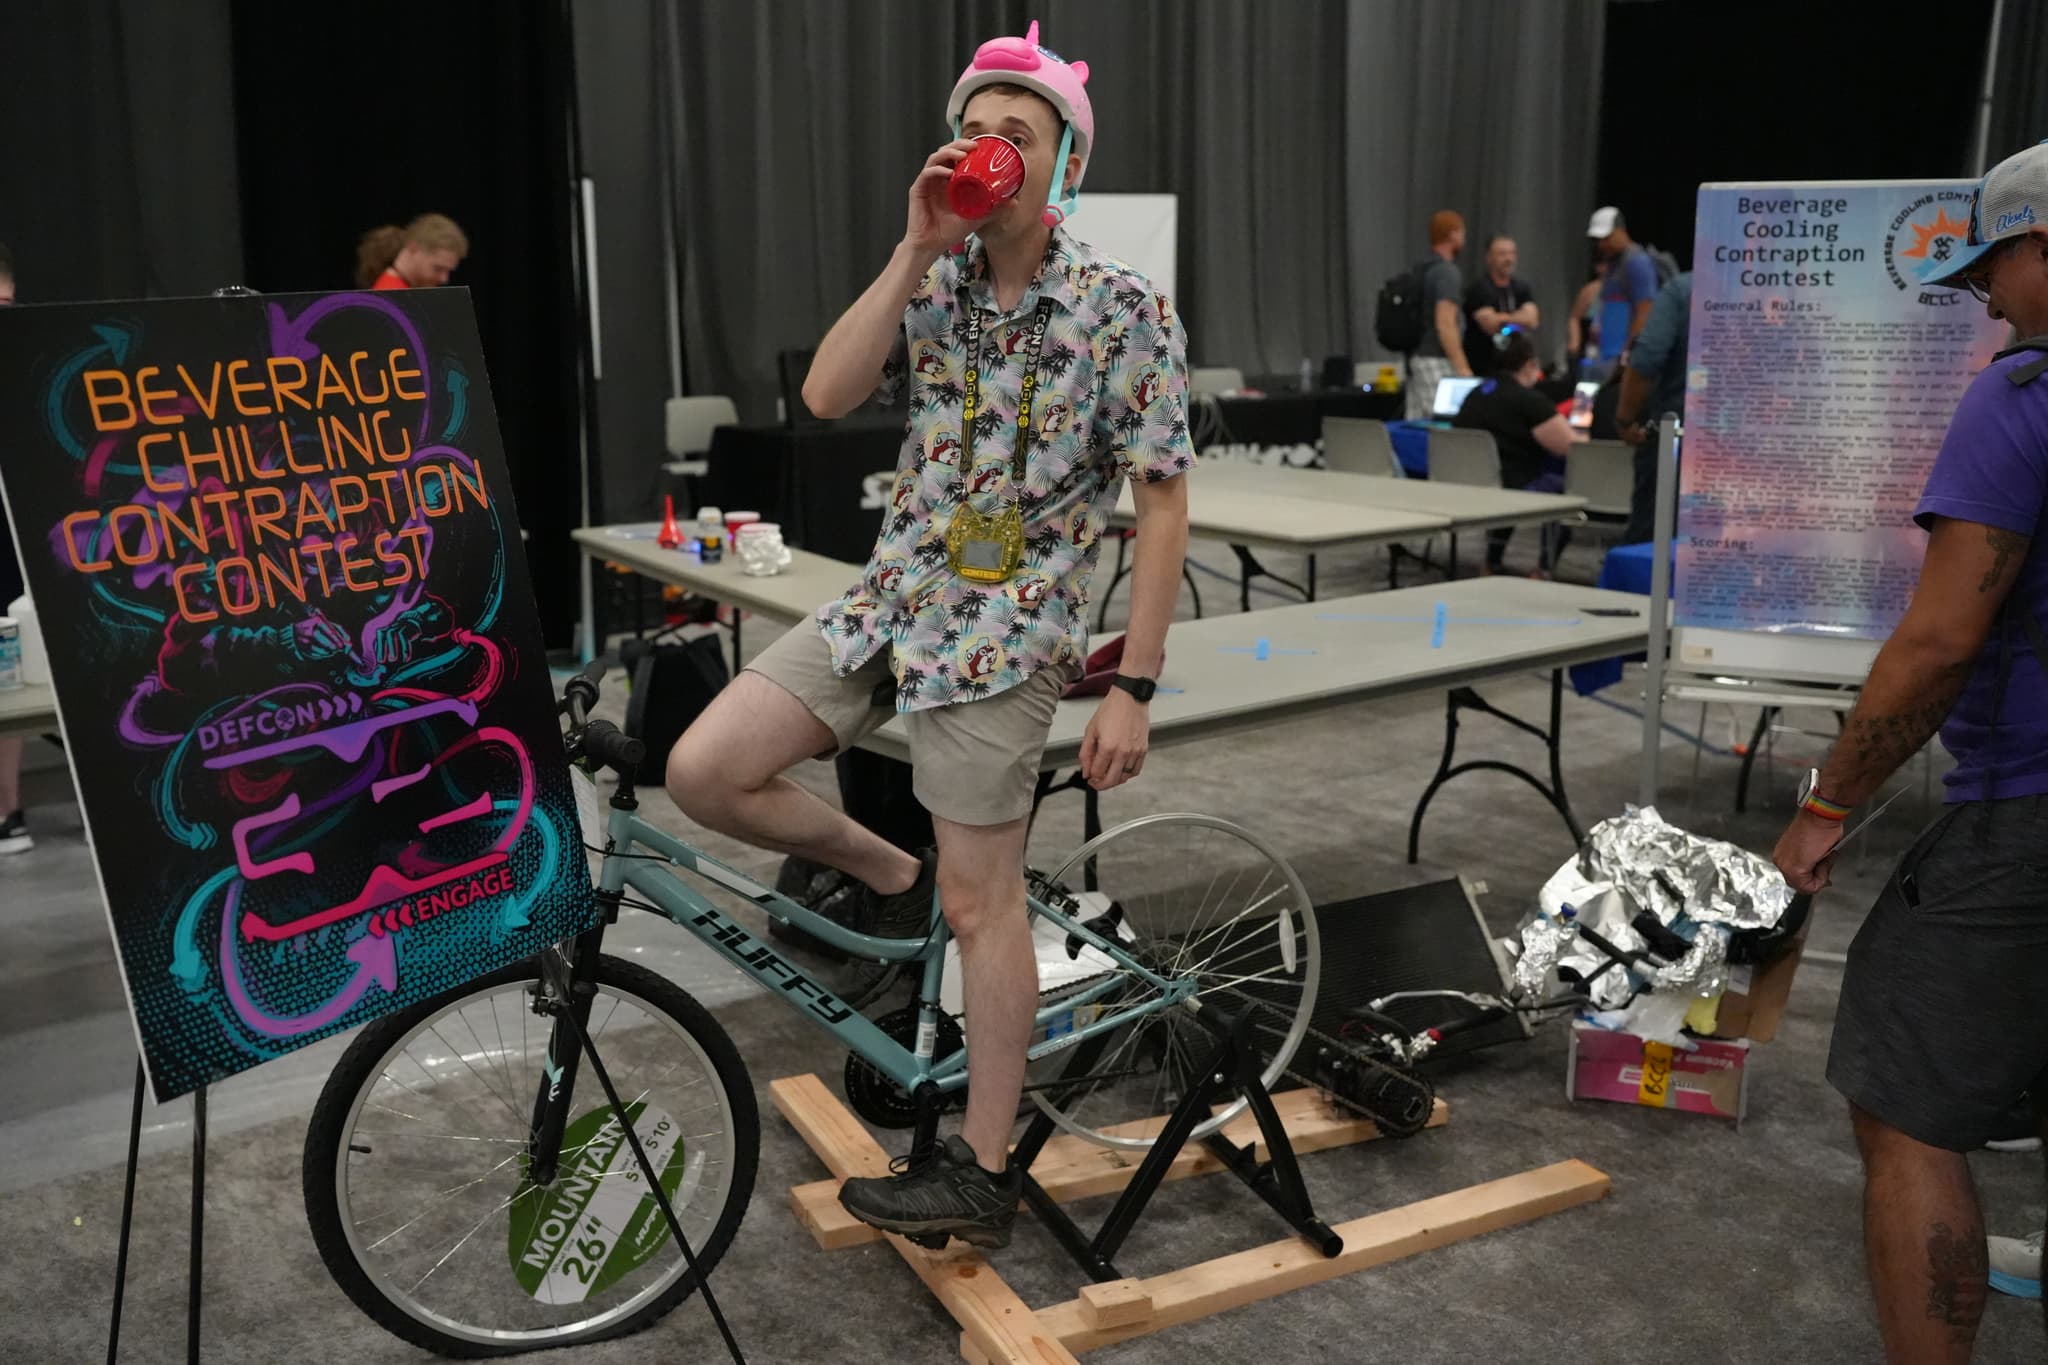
{"x":1527,"y":429}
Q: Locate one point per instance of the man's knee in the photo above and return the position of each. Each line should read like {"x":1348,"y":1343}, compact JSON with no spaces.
{"x":970,"y":899}
{"x":1887,"y":1148}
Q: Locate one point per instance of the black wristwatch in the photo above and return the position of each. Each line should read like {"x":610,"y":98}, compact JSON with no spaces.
{"x":1141,"y":688}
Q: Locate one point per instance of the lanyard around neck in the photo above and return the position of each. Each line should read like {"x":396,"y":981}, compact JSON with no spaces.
{"x":972,"y":404}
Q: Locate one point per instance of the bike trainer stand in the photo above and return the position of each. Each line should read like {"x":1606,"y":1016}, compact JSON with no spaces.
{"x":1258,"y":1146}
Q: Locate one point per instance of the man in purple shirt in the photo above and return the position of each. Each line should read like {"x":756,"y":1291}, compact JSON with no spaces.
{"x":1943,"y":1022}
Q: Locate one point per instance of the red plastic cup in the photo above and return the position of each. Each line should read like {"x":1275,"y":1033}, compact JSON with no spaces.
{"x":987,"y":178}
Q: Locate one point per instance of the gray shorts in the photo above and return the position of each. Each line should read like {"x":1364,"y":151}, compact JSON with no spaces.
{"x":1943,"y":1021}
{"x":974,"y":763}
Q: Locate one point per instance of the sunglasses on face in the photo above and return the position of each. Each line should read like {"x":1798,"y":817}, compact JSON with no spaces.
{"x":1977,"y":279}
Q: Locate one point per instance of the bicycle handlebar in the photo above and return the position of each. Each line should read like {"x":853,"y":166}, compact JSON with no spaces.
{"x":610,"y":747}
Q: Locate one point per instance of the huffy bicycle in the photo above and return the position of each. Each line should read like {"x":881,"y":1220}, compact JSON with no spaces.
{"x":471,"y":1192}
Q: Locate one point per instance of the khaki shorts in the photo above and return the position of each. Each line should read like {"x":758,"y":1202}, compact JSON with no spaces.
{"x":974,"y":763}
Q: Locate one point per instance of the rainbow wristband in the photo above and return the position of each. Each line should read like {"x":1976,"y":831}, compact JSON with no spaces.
{"x":1824,"y":808}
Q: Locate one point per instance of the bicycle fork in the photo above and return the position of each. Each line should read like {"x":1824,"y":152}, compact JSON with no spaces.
{"x":563,"y":987}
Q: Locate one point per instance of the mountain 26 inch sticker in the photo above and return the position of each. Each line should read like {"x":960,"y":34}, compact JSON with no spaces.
{"x":598,"y":1222}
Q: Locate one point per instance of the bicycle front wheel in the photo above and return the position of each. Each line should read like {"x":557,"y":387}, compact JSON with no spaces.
{"x":417,"y":1180}
{"x":1196,"y":900}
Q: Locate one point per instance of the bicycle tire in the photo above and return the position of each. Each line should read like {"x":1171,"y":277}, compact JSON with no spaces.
{"x":362,"y":1064}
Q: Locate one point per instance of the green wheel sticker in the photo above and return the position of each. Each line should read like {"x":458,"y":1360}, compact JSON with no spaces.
{"x":598,"y":1222}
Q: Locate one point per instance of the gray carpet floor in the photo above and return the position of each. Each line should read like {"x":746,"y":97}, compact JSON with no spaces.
{"x":1715,"y":1245}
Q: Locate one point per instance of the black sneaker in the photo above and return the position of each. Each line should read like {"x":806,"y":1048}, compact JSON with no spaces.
{"x":907,"y":914}
{"x":14,"y":834}
{"x":950,"y":1195}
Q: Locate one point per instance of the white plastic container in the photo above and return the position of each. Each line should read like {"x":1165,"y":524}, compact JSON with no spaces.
{"x":35,"y":660}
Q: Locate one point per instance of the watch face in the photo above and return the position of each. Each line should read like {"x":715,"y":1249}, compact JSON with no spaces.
{"x":1807,"y":784}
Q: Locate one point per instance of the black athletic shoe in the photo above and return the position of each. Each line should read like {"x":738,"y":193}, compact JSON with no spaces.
{"x":907,"y":914}
{"x":949,"y":1195}
{"x":14,"y":836}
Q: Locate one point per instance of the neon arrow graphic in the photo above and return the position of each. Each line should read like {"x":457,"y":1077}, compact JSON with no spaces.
{"x":376,"y":962}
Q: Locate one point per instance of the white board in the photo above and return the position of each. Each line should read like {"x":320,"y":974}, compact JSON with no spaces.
{"x":1141,"y":229}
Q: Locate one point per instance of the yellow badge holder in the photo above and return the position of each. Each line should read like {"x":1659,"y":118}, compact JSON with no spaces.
{"x":987,"y":547}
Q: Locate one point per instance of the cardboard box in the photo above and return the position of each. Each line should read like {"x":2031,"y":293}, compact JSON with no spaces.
{"x":1626,"y":1069}
{"x":1755,"y":999}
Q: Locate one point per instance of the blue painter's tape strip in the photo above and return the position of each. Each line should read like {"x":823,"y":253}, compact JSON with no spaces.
{"x":1263,"y":651}
{"x":1436,"y":635}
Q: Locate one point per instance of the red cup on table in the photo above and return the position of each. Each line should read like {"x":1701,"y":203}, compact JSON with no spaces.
{"x":986,"y":178}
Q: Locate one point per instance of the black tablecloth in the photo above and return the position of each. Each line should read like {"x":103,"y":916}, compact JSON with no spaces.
{"x":1285,"y":419}
{"x":809,"y":480}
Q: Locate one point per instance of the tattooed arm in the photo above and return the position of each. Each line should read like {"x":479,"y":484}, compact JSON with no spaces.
{"x":1918,"y":675}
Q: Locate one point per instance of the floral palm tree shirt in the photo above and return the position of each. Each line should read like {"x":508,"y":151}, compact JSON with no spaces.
{"x":1110,"y":403}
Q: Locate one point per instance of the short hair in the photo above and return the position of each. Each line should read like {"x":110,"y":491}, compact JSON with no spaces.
{"x":1008,"y":88}
{"x":1442,"y":224}
{"x":1499,"y":237}
{"x":6,"y":262}
{"x":1516,"y":347}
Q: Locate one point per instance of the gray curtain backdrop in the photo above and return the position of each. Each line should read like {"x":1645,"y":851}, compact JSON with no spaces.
{"x":2019,"y":81}
{"x":117,"y":148}
{"x":1490,"y":109}
{"x":1308,"y":141}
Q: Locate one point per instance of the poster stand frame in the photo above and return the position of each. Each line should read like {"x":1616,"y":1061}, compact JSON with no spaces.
{"x":573,"y":1013}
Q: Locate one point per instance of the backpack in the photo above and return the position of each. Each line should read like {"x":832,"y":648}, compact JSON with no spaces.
{"x":1398,"y":320}
{"x":1666,"y":263}
{"x":672,"y":684}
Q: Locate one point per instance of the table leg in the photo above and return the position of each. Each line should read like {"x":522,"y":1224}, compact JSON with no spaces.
{"x":737,"y":615}
{"x":1763,"y":725}
{"x":1248,"y":568}
{"x":1464,"y":698}
{"x":1188,"y":576}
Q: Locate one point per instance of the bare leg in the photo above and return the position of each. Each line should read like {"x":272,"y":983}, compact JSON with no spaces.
{"x":10,"y":774}
{"x":1924,"y":1237}
{"x":726,"y":774}
{"x":981,"y":891}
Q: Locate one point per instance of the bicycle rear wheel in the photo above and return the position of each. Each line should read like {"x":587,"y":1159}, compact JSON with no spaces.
{"x":1191,"y":897}
{"x":416,"y":1159}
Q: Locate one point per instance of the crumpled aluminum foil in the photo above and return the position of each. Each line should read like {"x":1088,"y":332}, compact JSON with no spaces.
{"x":1703,"y":971}
{"x":1670,"y":873}
{"x":1543,"y":943}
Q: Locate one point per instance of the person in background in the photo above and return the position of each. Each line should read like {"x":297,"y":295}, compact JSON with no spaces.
{"x":420,"y":255}
{"x":1527,"y":429}
{"x":1628,"y":284}
{"x":14,"y":836}
{"x":1652,"y":384}
{"x":1582,"y":328}
{"x":1498,"y":298}
{"x":1940,"y":1028}
{"x":1442,"y":351}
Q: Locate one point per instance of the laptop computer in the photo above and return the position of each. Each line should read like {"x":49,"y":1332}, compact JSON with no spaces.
{"x":1451,"y":394}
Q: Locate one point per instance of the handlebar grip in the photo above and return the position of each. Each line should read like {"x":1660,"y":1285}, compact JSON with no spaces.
{"x":609,"y":747}
{"x":580,"y":692}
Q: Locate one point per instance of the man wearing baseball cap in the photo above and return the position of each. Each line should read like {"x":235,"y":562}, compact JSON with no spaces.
{"x":1942,"y":1025}
{"x":1042,"y":374}
{"x":1627,"y":287}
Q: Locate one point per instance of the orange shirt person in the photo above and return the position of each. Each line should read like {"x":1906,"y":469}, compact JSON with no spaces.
{"x":420,"y":255}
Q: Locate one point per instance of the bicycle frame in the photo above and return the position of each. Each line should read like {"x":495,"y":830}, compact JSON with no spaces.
{"x":912,"y":1068}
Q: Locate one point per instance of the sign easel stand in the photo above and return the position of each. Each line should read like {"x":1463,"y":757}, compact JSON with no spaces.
{"x":195,"y":1280}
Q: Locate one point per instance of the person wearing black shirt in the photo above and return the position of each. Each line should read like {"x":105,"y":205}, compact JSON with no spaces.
{"x":1497,"y":299}
{"x":1527,"y":429}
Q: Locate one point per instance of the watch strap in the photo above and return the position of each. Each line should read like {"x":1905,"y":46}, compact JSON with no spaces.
{"x":1141,"y":688}
{"x":1816,"y":804}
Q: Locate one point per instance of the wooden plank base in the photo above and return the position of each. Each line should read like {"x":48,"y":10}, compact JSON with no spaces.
{"x":998,"y":1328}
{"x":1073,"y":1168}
